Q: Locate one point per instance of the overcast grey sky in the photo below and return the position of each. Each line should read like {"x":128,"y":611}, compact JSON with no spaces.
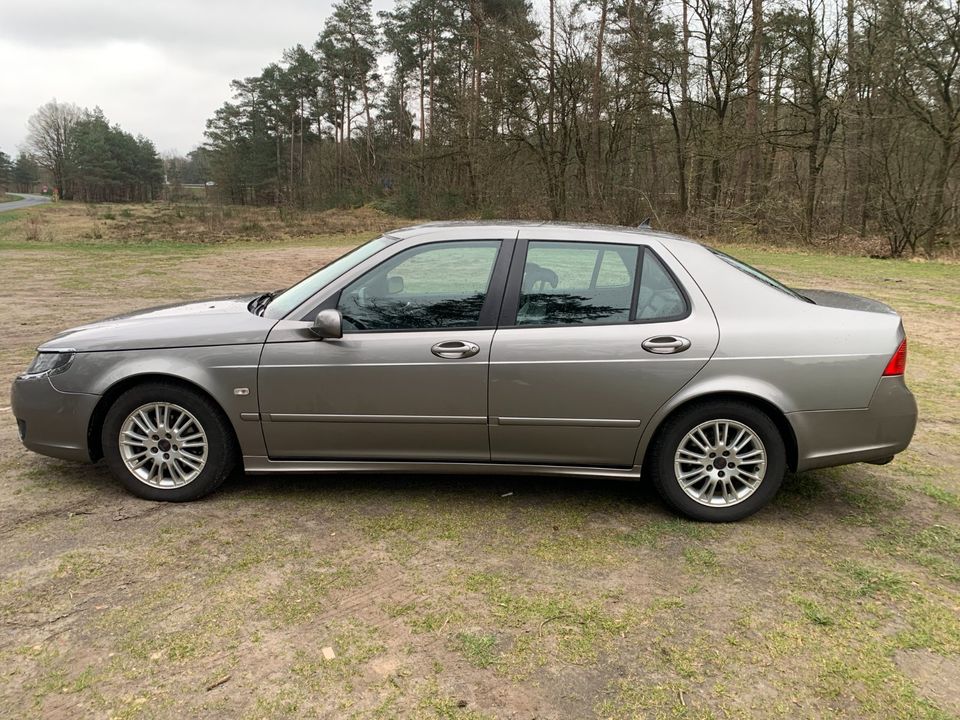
{"x":159,"y":68}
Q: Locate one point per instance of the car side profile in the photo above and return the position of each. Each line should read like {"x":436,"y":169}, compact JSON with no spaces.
{"x":514,"y":348}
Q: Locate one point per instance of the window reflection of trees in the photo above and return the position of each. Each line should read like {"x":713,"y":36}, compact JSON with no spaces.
{"x":414,"y":313}
{"x":565,"y":309}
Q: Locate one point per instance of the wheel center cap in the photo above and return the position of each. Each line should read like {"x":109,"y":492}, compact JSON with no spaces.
{"x":164,"y":445}
{"x":720,"y":463}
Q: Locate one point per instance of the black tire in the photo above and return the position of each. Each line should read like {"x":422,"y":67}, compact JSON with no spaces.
{"x":221,"y":451}
{"x":661,"y":466}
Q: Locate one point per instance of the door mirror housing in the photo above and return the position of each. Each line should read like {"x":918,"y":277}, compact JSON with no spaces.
{"x":328,"y":324}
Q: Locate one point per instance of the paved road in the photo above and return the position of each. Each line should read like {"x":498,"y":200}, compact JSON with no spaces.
{"x":28,"y":201}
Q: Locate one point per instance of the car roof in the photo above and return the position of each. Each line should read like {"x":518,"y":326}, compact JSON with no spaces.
{"x":513,"y":226}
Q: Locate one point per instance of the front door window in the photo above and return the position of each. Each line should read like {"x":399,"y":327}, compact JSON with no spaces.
{"x":436,"y":286}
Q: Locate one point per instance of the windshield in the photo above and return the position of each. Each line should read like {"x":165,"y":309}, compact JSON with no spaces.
{"x":303,"y":290}
{"x":753,"y":272}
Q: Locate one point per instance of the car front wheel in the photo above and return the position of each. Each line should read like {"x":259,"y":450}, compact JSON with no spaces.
{"x":718,"y":461}
{"x":166,"y":442}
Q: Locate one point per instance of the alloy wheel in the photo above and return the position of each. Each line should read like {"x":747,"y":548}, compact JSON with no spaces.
{"x":720,"y":463}
{"x":163,"y":445}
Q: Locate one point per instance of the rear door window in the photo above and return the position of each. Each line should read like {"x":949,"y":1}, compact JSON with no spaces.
{"x":569,"y":283}
{"x":658,"y":296}
{"x":587,"y":283}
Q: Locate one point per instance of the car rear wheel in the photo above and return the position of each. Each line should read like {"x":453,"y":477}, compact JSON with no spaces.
{"x":166,"y":442}
{"x":718,"y":461}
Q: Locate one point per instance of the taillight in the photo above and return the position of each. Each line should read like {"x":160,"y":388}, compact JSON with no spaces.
{"x":898,"y":363}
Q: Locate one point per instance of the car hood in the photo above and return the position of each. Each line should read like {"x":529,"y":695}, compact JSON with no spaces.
{"x":846,"y":301}
{"x":221,"y":321}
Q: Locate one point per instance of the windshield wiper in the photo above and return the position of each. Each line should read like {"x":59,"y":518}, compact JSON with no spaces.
{"x":259,"y":304}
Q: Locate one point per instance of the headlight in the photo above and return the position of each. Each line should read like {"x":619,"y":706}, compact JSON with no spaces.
{"x":49,"y":363}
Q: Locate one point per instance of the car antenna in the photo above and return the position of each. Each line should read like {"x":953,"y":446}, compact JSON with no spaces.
{"x":645,"y":224}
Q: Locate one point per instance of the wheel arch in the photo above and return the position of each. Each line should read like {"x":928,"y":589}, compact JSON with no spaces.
{"x":109,"y":397}
{"x":775,"y":413}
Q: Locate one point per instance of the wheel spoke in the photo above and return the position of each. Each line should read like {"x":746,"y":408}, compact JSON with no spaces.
{"x":178,"y":475}
{"x":690,"y":482}
{"x":143,"y":422}
{"x":190,"y":462}
{"x":723,"y":433}
{"x":694,"y":456}
{"x":180,"y":423}
{"x":139,"y":460}
{"x":743,"y":437}
{"x":700,"y":439}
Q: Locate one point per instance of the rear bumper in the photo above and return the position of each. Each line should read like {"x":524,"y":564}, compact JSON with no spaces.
{"x":51,"y":422}
{"x":873,"y":434}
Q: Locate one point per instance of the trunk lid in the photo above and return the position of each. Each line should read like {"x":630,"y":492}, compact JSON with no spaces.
{"x":846,"y":301}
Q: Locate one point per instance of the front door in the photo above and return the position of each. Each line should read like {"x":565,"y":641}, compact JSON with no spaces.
{"x":594,"y":338}
{"x":408,"y":379}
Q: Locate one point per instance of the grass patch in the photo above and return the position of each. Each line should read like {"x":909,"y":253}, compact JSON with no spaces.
{"x":815,"y":613}
{"x":700,"y":558}
{"x":944,"y":497}
{"x":304,"y":594}
{"x":479,"y":650}
{"x":655,"y":533}
{"x":869,"y":581}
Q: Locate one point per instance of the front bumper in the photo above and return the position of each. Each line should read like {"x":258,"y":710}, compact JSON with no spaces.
{"x":873,"y":434}
{"x":52,"y":422}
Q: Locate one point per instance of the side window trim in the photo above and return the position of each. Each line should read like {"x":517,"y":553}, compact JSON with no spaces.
{"x":510,"y":305}
{"x":637,"y":283}
{"x":491,"y":304}
{"x":511,"y":296}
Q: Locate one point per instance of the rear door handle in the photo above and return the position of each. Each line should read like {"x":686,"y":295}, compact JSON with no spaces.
{"x":455,"y":349}
{"x":665,"y":344}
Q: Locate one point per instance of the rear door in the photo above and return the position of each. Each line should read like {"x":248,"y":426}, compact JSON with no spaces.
{"x":594,"y":336}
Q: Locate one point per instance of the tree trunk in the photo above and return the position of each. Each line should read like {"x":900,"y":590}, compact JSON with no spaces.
{"x":595,"y":188}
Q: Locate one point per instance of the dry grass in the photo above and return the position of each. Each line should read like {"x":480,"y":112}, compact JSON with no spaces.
{"x":68,"y":224}
{"x":463,"y":597}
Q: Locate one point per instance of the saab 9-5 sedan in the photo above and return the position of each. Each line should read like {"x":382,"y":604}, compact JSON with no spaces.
{"x":488,"y":348}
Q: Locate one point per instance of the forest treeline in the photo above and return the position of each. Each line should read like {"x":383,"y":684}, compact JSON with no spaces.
{"x":83,"y":157}
{"x":801,"y":118}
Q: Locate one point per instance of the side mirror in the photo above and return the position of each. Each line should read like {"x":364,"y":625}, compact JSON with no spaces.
{"x":394,"y":284}
{"x":328,"y":324}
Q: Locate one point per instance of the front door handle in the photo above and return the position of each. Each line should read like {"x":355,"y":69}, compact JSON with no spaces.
{"x":455,"y":349}
{"x":665,"y":344}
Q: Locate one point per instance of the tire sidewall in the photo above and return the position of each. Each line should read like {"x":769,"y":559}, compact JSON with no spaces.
{"x":677,"y":428}
{"x":220,"y":448}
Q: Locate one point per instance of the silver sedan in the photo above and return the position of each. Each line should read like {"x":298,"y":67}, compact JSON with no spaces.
{"x":488,"y":348}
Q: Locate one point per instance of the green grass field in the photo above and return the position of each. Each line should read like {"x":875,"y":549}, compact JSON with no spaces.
{"x":463,"y":597}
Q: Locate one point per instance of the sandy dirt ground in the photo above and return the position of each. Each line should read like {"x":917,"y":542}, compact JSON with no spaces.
{"x":470,"y":597}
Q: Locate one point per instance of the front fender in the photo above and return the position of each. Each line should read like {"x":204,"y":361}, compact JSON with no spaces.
{"x":227,"y":373}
